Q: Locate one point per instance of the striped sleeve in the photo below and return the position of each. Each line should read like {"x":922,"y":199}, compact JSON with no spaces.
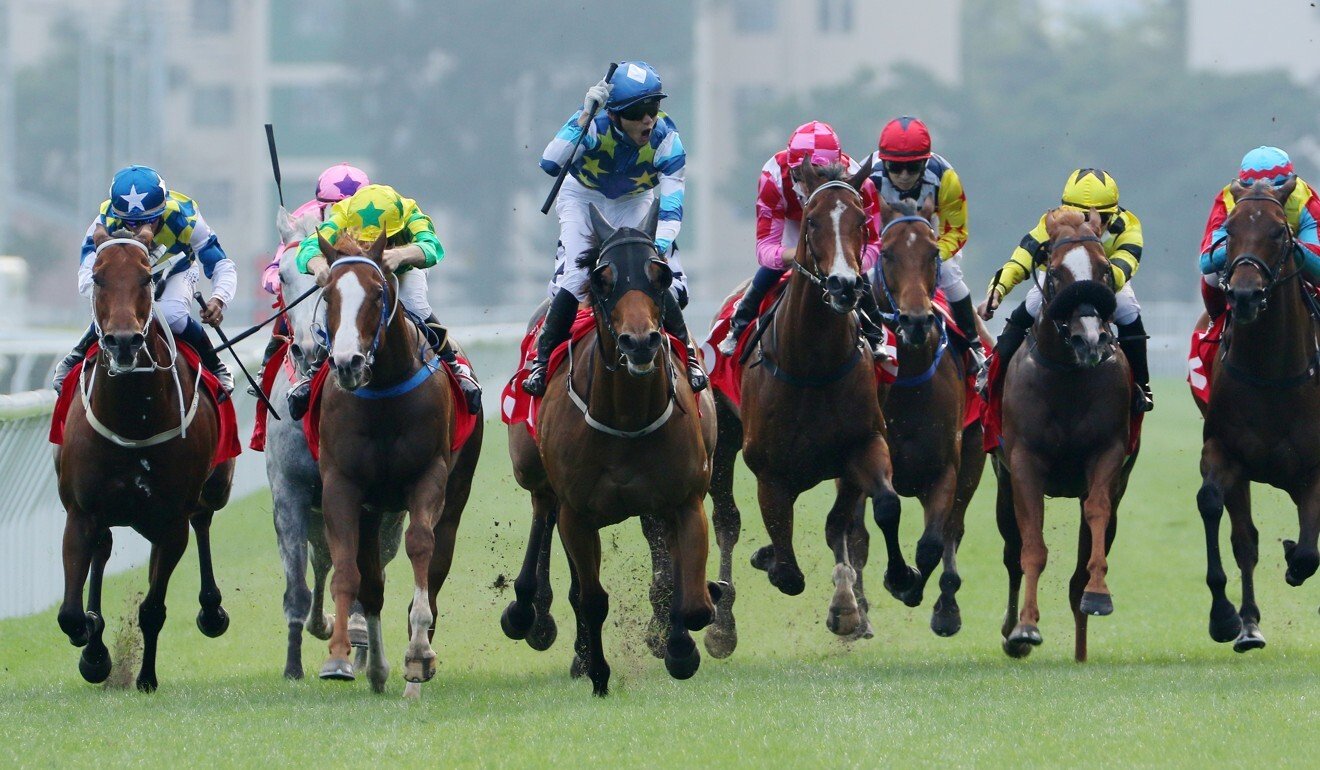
{"x":1127,"y":246}
{"x":421,"y":230}
{"x":1023,"y":259}
{"x":329,"y":229}
{"x":670,"y":162}
{"x":556,"y":153}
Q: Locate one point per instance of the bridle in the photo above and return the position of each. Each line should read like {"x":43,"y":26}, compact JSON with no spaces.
{"x":1273,"y":277}
{"x":388,"y":308}
{"x":891,"y":317}
{"x":1049,"y":292}
{"x":813,"y":273}
{"x":625,"y":282}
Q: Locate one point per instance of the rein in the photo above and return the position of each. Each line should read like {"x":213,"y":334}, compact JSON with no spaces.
{"x":891,"y":318}
{"x":602,"y":427}
{"x":815,"y":277}
{"x":234,"y":340}
{"x":1273,"y":277}
{"x":386,"y":316}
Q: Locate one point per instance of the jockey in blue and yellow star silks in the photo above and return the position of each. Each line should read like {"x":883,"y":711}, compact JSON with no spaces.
{"x":630,"y":153}
{"x":1302,"y":210}
{"x":185,"y":247}
{"x":411,"y":247}
{"x":1086,"y":189}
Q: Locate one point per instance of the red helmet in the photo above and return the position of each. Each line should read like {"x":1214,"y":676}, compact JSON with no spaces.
{"x":815,"y":140}
{"x":904,"y":139}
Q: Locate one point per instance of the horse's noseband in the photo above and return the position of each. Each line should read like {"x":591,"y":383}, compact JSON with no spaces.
{"x":628,"y":278}
{"x":891,"y":318}
{"x":387,"y":308}
{"x":813,"y":274}
{"x":1273,"y":277}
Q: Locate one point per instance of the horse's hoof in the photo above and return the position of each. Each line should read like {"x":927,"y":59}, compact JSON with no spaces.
{"x":764,"y":557}
{"x":721,"y":639}
{"x":543,"y":633}
{"x":914,"y":596}
{"x":147,"y":684}
{"x":787,"y":578}
{"x":516,"y":620}
{"x":1225,"y":625}
{"x":899,"y":582}
{"x":1016,"y":649}
{"x":79,"y":628}
{"x":1021,"y":640}
{"x":1250,"y":639}
{"x":94,"y":666}
{"x":214,"y":623}
{"x":322,"y":630}
{"x":1096,"y":604}
{"x":683,"y":667}
{"x":419,"y":668}
{"x":843,"y":621}
{"x":357,"y":631}
{"x":338,"y":669}
{"x":945,"y":621}
{"x":578,"y":668}
{"x":293,"y":671}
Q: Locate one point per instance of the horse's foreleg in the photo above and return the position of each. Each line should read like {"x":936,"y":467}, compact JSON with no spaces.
{"x":94,"y":665}
{"x":777,"y":511}
{"x":722,"y":636}
{"x":936,"y":504}
{"x":442,"y":558}
{"x":692,"y":601}
{"x":1029,"y":509}
{"x":166,"y":550}
{"x":426,"y":500}
{"x":212,"y":619}
{"x":1077,"y":585}
{"x":291,"y":538}
{"x":371,"y":594}
{"x":872,"y":471}
{"x":79,"y":543}
{"x":663,"y":570}
{"x":1302,"y":557}
{"x":520,"y":614}
{"x":845,"y":617}
{"x":544,"y":629}
{"x":1006,"y":519}
{"x":1246,"y":550}
{"x":342,"y":508}
{"x":582,"y":542}
{"x":946,"y":617}
{"x":1218,"y":474}
{"x":1097,"y":510}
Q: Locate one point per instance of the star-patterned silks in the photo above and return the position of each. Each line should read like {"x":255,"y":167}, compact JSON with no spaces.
{"x":348,"y":185}
{"x":134,"y":199}
{"x":370,"y":215}
{"x":644,"y":180}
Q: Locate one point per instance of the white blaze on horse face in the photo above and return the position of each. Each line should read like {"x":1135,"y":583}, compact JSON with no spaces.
{"x":1078,"y":262}
{"x":351,"y":297}
{"x":841,"y":267}
{"x":1090,"y":329}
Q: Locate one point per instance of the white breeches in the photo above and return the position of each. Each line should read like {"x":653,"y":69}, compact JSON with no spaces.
{"x":951,"y":279}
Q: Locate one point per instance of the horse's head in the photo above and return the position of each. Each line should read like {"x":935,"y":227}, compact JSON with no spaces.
{"x":1079,"y":284}
{"x":834,"y":230}
{"x":1259,"y":246}
{"x":909,"y":267}
{"x":359,"y":304}
{"x":122,"y":292}
{"x":628,"y":282}
{"x":305,"y":318}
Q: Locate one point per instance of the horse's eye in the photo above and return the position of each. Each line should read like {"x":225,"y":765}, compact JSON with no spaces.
{"x":98,"y":280}
{"x":146,"y":281}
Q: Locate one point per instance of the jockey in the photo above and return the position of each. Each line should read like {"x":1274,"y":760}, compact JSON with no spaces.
{"x":137,"y":196}
{"x":631,"y":148}
{"x":779,"y":222}
{"x":335,"y":184}
{"x":904,"y":168}
{"x":412,"y":246}
{"x":1086,"y":189}
{"x":1302,"y":210}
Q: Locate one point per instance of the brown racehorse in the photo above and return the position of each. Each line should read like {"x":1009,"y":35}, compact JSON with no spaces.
{"x":1264,"y":406}
{"x":1065,"y":431}
{"x":138,"y":449}
{"x":809,"y":412}
{"x":935,"y":459}
{"x":621,"y":434}
{"x":385,"y":447}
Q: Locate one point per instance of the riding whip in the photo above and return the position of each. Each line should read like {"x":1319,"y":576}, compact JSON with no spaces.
{"x":197,"y":295}
{"x":275,"y":163}
{"x":563,"y":172}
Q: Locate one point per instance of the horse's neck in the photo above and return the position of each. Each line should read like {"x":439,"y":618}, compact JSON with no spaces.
{"x":138,"y":403}
{"x":396,"y":357}
{"x":621,"y":400}
{"x":809,"y":335}
{"x":1280,"y":342}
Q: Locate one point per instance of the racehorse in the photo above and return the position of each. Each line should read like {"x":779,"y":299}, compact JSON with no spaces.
{"x":385,"y":435}
{"x":1065,"y":431}
{"x":935,"y":458}
{"x":138,"y":452}
{"x":620,"y":434}
{"x":1264,"y":406}
{"x":809,"y":412}
{"x":295,"y":486}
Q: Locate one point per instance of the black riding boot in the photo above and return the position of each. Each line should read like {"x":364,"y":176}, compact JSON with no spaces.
{"x":1132,"y":339}
{"x":467,"y":381}
{"x":965,"y":316}
{"x":558,"y":324}
{"x":675,"y":325}
{"x":1015,"y":331}
{"x":196,"y":336}
{"x":78,"y":353}
{"x":869,"y":314}
{"x":743,"y":314}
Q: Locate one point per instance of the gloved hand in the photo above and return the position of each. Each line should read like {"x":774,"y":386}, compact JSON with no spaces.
{"x":992,"y":300}
{"x":596,"y":97}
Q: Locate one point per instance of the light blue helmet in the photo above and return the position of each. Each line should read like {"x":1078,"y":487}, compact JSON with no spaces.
{"x":633,"y":81}
{"x":1268,"y":163}
{"x":137,"y":194}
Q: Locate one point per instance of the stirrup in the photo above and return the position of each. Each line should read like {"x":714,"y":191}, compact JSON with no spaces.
{"x":1142,"y":398}
{"x":299,"y":397}
{"x":534,"y":384}
{"x":696,"y":374}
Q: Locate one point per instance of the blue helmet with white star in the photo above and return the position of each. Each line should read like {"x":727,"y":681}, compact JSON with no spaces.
{"x":633,"y":81}
{"x":137,"y":194}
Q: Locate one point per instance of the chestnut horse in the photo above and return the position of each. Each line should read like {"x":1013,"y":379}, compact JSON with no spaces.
{"x":621,"y":434}
{"x":385,"y":447}
{"x":809,"y":412}
{"x":1264,"y":406}
{"x":935,"y":459}
{"x":137,"y":452}
{"x":1066,"y":409}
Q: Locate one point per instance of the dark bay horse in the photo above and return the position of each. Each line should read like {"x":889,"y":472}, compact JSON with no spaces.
{"x":1065,"y":431}
{"x":138,"y":450}
{"x":935,"y":459}
{"x":385,"y":447}
{"x":1260,"y":424}
{"x":809,"y":412}
{"x":621,"y":434}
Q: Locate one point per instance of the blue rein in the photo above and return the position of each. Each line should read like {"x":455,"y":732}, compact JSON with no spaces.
{"x":891,"y":318}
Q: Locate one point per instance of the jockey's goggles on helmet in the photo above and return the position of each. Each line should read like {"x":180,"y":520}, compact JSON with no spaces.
{"x":906,"y":166}
{"x":640,"y":110}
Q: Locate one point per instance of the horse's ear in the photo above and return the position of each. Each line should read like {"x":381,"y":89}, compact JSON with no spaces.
{"x":1283,"y":193}
{"x":886,"y":211}
{"x":651,"y":222}
{"x":1052,"y":222}
{"x":927,"y":209}
{"x":377,"y":249}
{"x":100,"y":235}
{"x":145,"y":233}
{"x":327,"y":249}
{"x":1237,"y":189}
{"x":862,"y":175}
{"x":805,"y":174}
{"x":600,"y":226}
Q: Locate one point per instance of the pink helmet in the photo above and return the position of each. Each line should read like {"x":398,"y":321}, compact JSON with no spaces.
{"x":339,"y":182}
{"x":815,"y":140}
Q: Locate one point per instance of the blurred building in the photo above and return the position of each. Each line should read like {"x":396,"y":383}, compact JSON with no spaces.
{"x":749,"y":51}
{"x":1227,"y":36}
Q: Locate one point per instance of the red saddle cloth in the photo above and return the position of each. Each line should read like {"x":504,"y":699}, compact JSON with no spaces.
{"x":519,"y":406}
{"x":726,"y":373}
{"x":227,"y":443}
{"x":1201,"y":358}
{"x":268,"y":376}
{"x":992,"y":420}
{"x":973,"y":403}
{"x":464,"y":421}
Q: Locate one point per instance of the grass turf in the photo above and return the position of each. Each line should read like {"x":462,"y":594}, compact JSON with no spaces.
{"x":1157,"y":690}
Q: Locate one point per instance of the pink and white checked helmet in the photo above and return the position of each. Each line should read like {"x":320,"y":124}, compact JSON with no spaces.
{"x":815,"y":140}
{"x":340,"y":181}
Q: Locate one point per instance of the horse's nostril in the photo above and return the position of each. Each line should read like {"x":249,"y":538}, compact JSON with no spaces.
{"x":653,"y":340}
{"x":627,"y":342}
{"x":137,"y":341}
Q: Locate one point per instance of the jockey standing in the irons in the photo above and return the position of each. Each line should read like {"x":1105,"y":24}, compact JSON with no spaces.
{"x":628,"y":151}
{"x":138,"y":196}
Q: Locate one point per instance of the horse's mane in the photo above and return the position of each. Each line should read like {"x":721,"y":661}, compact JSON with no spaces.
{"x":1066,"y":222}
{"x":833,"y":172}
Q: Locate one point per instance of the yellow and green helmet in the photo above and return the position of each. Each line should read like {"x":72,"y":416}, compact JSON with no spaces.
{"x":374,"y":208}
{"x":1091,"y":188}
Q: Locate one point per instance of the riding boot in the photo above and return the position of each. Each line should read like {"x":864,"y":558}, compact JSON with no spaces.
{"x":869,"y":315}
{"x":965,"y":317}
{"x":76,"y":355}
{"x":196,"y":336}
{"x":467,"y":381}
{"x":271,"y":346}
{"x":1132,"y":339}
{"x":300,"y":395}
{"x":1010,"y":339}
{"x":747,"y":308}
{"x":558,"y":325}
{"x":675,"y":325}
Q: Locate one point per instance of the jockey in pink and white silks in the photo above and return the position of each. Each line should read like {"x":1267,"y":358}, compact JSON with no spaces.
{"x":631,"y":152}
{"x":186,"y":247}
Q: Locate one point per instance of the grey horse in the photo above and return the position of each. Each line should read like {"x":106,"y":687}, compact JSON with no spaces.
{"x":295,"y":484}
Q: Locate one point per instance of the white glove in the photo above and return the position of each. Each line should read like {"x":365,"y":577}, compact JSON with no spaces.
{"x":596,"y":97}
{"x":284,"y":225}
